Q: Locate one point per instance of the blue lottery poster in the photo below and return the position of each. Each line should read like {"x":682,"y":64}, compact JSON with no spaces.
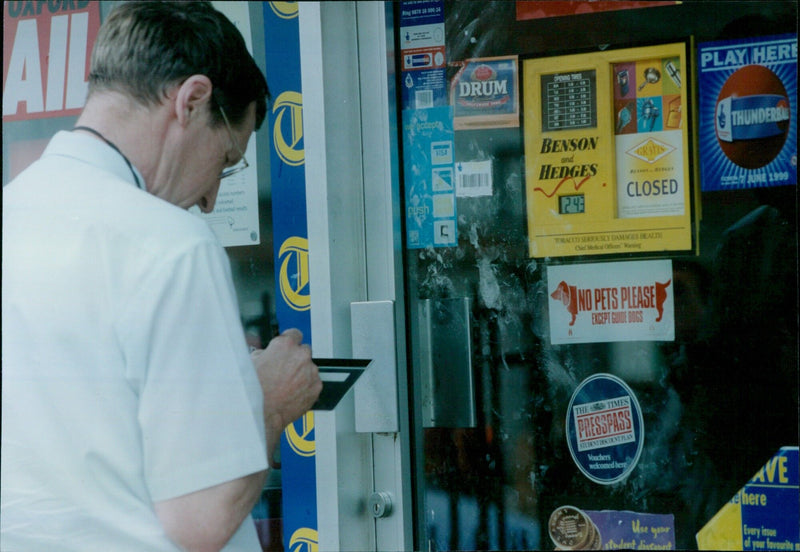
{"x":430,"y":196}
{"x":748,"y":112}
{"x":605,"y":430}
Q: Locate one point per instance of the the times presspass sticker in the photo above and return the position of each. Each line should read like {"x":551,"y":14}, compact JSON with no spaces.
{"x":605,"y":431}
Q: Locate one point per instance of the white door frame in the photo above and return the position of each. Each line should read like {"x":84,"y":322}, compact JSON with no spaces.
{"x":355,"y":262}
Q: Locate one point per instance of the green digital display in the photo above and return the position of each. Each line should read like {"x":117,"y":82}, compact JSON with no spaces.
{"x":571,"y":204}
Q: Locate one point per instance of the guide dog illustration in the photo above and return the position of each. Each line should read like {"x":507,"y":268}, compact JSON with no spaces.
{"x":569,"y":296}
{"x":661,"y":296}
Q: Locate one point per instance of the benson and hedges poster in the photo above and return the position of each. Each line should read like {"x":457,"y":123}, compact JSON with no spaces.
{"x":607,"y":156}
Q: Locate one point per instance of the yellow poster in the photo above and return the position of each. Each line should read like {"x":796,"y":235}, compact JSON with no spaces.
{"x":607,"y":154}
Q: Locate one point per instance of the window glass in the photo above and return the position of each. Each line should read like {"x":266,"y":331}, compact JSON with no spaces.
{"x":496,"y":398}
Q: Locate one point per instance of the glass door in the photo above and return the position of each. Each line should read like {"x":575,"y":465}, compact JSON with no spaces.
{"x":521,"y":439}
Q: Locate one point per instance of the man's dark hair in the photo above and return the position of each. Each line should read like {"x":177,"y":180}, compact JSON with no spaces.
{"x":145,"y":48}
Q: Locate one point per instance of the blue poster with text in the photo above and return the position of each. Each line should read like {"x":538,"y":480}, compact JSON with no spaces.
{"x":748,"y":112}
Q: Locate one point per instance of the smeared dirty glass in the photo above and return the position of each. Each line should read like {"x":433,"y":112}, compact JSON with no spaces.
{"x":716,"y":402}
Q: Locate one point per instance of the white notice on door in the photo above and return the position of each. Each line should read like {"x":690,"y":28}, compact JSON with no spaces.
{"x":607,"y":302}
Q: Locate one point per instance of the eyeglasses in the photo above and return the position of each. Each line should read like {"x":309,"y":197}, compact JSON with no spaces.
{"x":242,"y":164}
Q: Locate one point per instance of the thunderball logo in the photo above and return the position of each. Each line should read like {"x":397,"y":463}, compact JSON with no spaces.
{"x":752,"y":116}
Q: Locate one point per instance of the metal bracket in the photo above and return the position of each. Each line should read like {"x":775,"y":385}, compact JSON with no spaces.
{"x":373,"y":337}
{"x":445,"y":367}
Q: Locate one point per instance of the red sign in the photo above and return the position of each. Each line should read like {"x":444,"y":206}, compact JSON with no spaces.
{"x":528,"y":9}
{"x":604,"y":423}
{"x":47,"y":47}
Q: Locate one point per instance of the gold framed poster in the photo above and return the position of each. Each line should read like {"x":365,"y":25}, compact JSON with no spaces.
{"x":608,"y":160}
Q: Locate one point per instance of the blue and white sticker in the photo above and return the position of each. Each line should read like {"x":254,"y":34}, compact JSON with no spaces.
{"x":428,"y":154}
{"x":605,"y":430}
{"x":422,"y":55}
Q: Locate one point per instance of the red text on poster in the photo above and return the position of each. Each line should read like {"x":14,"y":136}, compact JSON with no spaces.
{"x":46,"y":52}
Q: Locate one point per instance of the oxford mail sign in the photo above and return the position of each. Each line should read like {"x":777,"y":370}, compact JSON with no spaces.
{"x":46,"y":52}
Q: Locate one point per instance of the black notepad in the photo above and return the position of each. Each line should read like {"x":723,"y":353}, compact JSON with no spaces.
{"x":338,"y":376}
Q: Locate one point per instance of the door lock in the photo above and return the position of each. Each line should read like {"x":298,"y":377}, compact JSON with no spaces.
{"x":380,"y":504}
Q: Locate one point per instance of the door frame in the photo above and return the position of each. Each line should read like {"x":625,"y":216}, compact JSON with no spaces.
{"x":355,"y":257}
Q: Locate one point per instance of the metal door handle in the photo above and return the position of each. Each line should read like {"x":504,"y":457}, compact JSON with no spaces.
{"x":373,"y":337}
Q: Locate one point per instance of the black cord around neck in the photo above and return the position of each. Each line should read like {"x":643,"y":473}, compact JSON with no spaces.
{"x":115,"y":148}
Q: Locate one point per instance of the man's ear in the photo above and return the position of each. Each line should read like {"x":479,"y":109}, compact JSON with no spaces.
{"x":191,"y":98}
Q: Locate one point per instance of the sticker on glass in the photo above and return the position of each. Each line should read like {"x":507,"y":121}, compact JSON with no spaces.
{"x":605,"y":430}
{"x":473,"y":178}
{"x":571,"y":529}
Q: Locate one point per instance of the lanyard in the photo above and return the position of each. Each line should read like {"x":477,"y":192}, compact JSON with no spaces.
{"x":115,"y":148}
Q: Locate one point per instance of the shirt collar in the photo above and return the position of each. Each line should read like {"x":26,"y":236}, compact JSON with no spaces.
{"x":89,"y":149}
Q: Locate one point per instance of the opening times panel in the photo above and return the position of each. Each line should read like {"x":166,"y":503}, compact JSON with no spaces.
{"x":569,"y":100}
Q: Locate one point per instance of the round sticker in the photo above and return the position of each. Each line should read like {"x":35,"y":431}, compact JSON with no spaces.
{"x":605,"y":431}
{"x":571,"y":529}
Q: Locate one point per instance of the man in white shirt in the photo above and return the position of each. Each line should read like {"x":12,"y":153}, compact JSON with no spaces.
{"x":134,"y":417}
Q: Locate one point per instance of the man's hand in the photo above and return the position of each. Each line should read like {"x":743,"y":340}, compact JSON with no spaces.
{"x":289,"y":381}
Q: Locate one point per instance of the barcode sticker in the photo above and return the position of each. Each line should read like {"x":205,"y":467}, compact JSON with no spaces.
{"x":423,"y":99}
{"x":473,"y":178}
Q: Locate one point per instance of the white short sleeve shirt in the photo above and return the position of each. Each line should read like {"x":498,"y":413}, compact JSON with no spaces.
{"x":126,"y":377}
